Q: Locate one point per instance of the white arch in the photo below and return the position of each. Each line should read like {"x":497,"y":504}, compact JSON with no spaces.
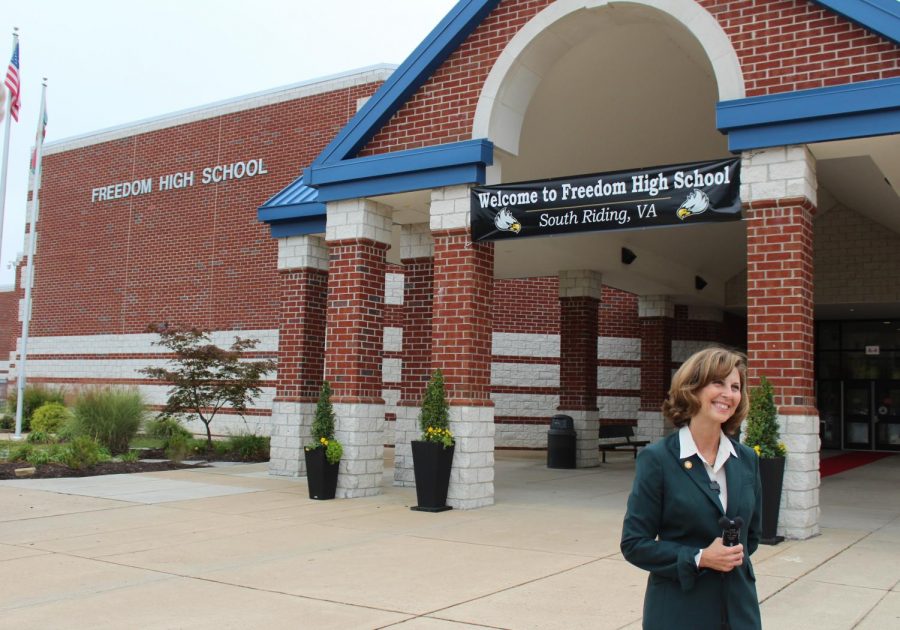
{"x":546,"y":37}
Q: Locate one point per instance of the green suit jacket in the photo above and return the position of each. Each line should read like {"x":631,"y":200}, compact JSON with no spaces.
{"x":672,"y":514}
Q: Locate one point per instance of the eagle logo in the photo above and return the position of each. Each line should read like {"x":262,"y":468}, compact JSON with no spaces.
{"x":506,"y":222}
{"x":696,"y":203}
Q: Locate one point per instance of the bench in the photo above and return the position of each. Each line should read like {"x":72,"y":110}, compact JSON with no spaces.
{"x":619,"y":436}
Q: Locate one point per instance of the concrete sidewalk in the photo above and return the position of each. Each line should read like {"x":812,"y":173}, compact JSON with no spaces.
{"x":234,"y":548}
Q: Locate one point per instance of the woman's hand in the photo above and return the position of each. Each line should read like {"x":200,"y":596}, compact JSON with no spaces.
{"x":721,"y":558}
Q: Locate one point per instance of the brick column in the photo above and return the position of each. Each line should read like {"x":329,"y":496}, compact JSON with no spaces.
{"x":417,"y":256}
{"x":779,"y":192}
{"x":358,"y":233}
{"x":579,"y":303}
{"x":302,"y":266}
{"x":461,"y":344}
{"x":656,"y":316}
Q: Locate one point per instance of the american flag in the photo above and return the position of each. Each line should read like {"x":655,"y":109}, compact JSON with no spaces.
{"x":12,"y":82}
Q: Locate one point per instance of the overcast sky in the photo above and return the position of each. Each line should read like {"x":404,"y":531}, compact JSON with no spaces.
{"x":111,"y":62}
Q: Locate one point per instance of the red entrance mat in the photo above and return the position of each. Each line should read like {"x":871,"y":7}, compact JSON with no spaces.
{"x":846,"y":461}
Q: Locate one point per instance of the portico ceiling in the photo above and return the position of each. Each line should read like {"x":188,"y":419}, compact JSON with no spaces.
{"x":639,"y":91}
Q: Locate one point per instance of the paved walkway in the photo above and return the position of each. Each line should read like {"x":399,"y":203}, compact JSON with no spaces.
{"x":234,"y":548}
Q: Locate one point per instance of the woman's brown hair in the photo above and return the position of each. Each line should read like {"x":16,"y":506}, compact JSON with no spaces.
{"x":701,"y":369}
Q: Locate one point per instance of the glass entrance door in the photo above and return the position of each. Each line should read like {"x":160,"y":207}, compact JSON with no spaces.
{"x":887,"y":415}
{"x":858,"y":414}
{"x":829,"y":403}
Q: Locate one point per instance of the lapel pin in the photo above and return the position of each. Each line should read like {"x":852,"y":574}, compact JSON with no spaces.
{"x":688,"y":464}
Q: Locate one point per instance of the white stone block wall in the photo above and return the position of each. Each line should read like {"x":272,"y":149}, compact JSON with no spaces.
{"x":619,"y":348}
{"x":406,"y":429}
{"x":525,"y":374}
{"x":472,"y":476}
{"x":778,"y":173}
{"x":525,"y":345}
{"x":520,"y":435}
{"x":682,"y":349}
{"x":799,"y":514}
{"x":619,"y":378}
{"x":449,"y":208}
{"x":587,"y":430}
{"x":392,"y":339}
{"x":393,"y":288}
{"x":291,"y":431}
{"x":618,"y":407}
{"x":651,"y":426}
{"x":360,"y":429}
{"x":358,"y":218}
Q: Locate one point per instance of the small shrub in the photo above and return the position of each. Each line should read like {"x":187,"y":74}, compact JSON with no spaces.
{"x":82,"y":452}
{"x":7,"y":422}
{"x":323,"y":427}
{"x":179,"y":447}
{"x":130,"y":456}
{"x":39,"y":437}
{"x":39,"y":457}
{"x":21,"y":453}
{"x":434,"y":417}
{"x":164,"y":427}
{"x":250,"y":447}
{"x":110,"y":416}
{"x":56,"y":453}
{"x":35,"y":397}
{"x":50,"y":417}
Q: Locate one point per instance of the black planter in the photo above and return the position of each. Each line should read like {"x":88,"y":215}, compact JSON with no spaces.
{"x":321,"y":477}
{"x":771,"y":473}
{"x":431,"y":464}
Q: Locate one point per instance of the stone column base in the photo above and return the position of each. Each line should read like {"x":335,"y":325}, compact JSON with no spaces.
{"x":472,"y":477}
{"x":406,"y":429}
{"x":651,"y":426}
{"x":360,"y":430}
{"x":291,"y":431}
{"x":587,"y":442}
{"x":798,"y":517}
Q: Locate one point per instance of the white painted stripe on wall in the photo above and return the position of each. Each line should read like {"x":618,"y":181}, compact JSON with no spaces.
{"x":138,"y":343}
{"x":528,"y":405}
{"x":683,"y":349}
{"x":619,"y":348}
{"x":525,"y":374}
{"x":618,"y":378}
{"x":525,"y":345}
{"x":619,"y":407}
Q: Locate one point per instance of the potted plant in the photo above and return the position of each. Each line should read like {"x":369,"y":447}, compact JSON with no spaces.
{"x":323,"y":456}
{"x":433,"y":453}
{"x":761,"y":434}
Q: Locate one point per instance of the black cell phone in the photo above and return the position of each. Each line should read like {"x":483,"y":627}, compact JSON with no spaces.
{"x":731,"y":530}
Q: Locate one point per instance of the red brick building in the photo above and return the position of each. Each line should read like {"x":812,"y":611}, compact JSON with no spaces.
{"x":365,"y":270}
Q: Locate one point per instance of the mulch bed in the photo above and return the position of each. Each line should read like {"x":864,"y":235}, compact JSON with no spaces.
{"x":55,"y":471}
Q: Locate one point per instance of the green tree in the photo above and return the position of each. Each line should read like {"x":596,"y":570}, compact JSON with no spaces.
{"x":434,"y":418}
{"x":761,"y":431}
{"x":204,"y":378}
{"x":323,"y":427}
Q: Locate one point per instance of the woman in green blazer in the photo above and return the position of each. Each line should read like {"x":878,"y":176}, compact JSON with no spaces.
{"x":683,"y":485}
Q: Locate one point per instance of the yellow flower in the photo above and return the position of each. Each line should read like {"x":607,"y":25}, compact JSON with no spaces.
{"x":323,"y":441}
{"x":757,"y":449}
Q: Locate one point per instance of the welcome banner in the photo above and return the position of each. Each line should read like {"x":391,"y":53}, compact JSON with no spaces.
{"x":701,"y":192}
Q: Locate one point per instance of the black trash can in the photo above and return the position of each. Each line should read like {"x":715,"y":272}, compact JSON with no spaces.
{"x":561,"y":442}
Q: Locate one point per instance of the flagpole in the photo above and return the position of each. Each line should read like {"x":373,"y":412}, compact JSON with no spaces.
{"x":6,"y":122}
{"x":29,"y":269}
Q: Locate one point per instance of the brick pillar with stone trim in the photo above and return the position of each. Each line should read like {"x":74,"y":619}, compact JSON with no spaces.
{"x":778,"y":188}
{"x":656,"y":316}
{"x":303,"y":271}
{"x":417,"y":256}
{"x":461,"y":344}
{"x":579,"y":302}
{"x":358,"y":233}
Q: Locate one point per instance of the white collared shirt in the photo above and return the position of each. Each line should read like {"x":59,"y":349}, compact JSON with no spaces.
{"x":716,"y":470}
